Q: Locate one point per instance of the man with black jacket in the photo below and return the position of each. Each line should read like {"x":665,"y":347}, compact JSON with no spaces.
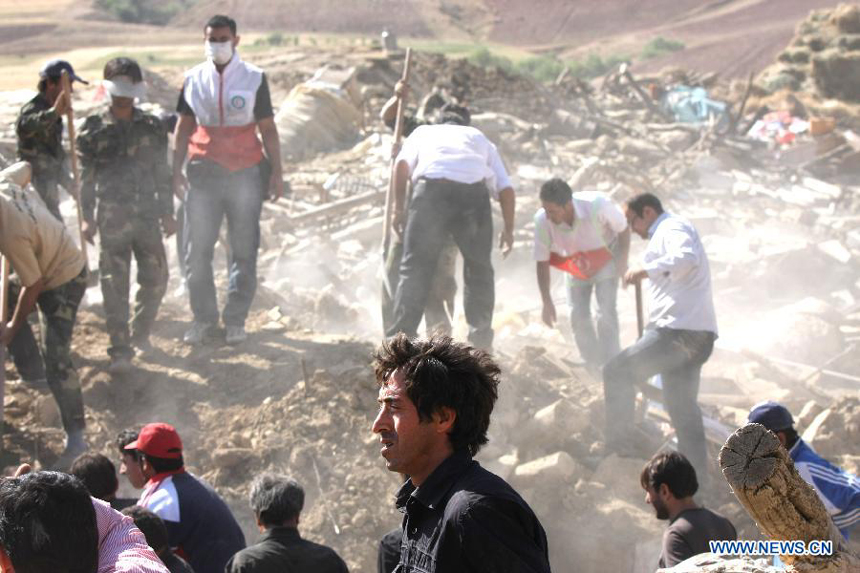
{"x":436,"y":397}
{"x":277,"y":502}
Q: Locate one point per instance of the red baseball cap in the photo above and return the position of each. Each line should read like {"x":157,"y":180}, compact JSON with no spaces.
{"x":159,"y":441}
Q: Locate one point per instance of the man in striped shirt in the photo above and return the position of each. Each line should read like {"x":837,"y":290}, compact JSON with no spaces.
{"x":50,"y":524}
{"x":837,"y":489}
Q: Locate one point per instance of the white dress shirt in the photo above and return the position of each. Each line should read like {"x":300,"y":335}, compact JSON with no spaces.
{"x":597,"y":223}
{"x":456,"y":152}
{"x":679,"y":289}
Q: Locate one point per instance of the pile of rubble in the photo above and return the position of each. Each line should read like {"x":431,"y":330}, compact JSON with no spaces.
{"x":778,"y":218}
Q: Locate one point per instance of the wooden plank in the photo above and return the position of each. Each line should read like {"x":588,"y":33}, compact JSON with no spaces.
{"x":338,"y":207}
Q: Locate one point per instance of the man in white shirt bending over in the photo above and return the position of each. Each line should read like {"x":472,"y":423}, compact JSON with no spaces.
{"x":680,"y":335}
{"x":454,"y":169}
{"x":585,"y":235}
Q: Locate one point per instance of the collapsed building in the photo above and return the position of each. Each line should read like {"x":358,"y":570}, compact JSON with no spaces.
{"x":778,"y":216}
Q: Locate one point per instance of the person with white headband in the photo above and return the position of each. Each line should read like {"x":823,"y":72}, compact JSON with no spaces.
{"x":125,"y":194}
{"x":224,"y":103}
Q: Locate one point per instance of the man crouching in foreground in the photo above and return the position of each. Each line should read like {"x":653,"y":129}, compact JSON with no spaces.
{"x":436,"y":397}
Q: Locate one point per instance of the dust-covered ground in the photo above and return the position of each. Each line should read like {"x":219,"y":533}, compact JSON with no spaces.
{"x":299,"y":396}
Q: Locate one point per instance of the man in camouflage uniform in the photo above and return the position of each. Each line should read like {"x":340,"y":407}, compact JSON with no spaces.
{"x":50,"y":273}
{"x":125,"y":174}
{"x":40,"y":134}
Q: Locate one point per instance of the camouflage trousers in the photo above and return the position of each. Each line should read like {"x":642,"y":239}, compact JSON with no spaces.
{"x":123,"y":233}
{"x":58,"y":309}
{"x":443,"y":292}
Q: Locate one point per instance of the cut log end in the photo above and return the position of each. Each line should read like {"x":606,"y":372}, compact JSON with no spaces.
{"x":750,"y":457}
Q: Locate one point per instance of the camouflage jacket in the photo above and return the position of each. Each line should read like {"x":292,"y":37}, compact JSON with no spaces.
{"x":124,"y":163}
{"x":40,"y":141}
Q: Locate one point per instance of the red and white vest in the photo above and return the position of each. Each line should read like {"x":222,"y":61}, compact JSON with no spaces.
{"x":223,"y":104}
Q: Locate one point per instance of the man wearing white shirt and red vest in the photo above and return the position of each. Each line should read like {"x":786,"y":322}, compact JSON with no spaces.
{"x":585,"y":235}
{"x":454,"y":169}
{"x":680,"y":334}
{"x":224,"y":103}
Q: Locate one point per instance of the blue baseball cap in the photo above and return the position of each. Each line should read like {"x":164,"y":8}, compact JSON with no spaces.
{"x":775,"y":417}
{"x":55,"y":69}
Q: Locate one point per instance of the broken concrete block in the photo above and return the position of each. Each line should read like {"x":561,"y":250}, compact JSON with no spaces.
{"x":554,"y":467}
{"x":561,"y":417}
{"x":807,"y":414}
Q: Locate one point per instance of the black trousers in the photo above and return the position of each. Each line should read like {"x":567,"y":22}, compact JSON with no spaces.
{"x":440,"y":209}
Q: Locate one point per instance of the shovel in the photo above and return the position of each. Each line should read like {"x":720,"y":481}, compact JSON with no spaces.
{"x":389,"y":196}
{"x":92,"y":275}
{"x":4,"y":300}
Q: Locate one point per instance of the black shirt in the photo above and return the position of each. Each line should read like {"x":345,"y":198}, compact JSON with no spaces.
{"x":464,"y":518}
{"x":282,"y":549}
{"x":689,"y":533}
{"x":389,"y":551}
{"x":262,"y":102}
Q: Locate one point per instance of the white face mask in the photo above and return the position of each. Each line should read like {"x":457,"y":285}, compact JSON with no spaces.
{"x":219,"y":52}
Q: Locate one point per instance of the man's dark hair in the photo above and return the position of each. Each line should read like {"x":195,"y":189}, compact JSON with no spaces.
{"x":124,"y":438}
{"x":455,"y":114}
{"x":276,"y":499}
{"x":222,"y":21}
{"x":556,"y":191}
{"x":637,"y":203}
{"x":161,"y":465}
{"x":150,"y":524}
{"x":123,"y":67}
{"x":97,"y":473}
{"x":673,"y":469}
{"x":48,"y":524}
{"x":791,"y":437}
{"x":441,"y":373}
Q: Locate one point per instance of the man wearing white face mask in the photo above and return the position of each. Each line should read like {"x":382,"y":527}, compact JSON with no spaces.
{"x":126,"y":180}
{"x":224,"y":103}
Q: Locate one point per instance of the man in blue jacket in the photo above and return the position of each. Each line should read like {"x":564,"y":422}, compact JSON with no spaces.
{"x":837,"y":489}
{"x":199,"y":524}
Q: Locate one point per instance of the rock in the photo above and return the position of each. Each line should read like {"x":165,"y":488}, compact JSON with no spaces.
{"x":557,"y":467}
{"x":837,"y":74}
{"x":226,"y":458}
{"x":558,"y":421}
{"x":46,"y":411}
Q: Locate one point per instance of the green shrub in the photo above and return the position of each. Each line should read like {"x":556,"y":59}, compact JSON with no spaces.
{"x":595,"y":66}
{"x":541,"y":68}
{"x":660,"y":46}
{"x":485,"y":58}
{"x":158,"y":12}
{"x":275,"y":39}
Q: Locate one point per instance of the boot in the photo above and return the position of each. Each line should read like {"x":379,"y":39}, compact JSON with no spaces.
{"x":71,"y":404}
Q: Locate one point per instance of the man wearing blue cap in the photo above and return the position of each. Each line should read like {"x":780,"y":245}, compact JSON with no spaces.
{"x":40,"y":134}
{"x":837,"y":489}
